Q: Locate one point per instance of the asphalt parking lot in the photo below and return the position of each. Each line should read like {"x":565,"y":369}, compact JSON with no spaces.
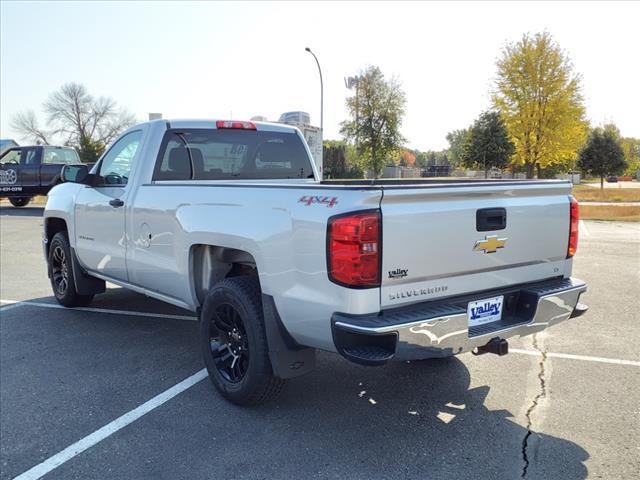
{"x":116,"y":390}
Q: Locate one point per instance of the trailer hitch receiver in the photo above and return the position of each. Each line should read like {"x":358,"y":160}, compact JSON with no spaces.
{"x":497,"y":345}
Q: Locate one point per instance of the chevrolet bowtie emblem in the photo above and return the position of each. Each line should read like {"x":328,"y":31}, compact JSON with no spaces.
{"x":490,"y":244}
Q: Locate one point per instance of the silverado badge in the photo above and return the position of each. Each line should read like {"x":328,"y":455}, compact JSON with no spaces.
{"x":490,"y":244}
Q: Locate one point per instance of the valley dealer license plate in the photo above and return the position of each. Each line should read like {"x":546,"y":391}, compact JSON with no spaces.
{"x":485,"y":311}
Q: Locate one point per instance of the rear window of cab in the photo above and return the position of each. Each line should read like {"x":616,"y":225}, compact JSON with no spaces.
{"x":228,"y":154}
{"x":59,"y":155}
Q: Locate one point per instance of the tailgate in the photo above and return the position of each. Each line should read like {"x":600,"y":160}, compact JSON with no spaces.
{"x":436,"y":243}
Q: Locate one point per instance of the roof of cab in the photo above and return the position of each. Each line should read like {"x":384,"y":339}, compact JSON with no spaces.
{"x":65,"y":147}
{"x":211,"y":123}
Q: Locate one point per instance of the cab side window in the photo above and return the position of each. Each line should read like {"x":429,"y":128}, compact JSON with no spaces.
{"x":29,"y":156}
{"x":59,"y":155}
{"x":176,"y":162}
{"x":12,"y":156}
{"x":115,"y":166}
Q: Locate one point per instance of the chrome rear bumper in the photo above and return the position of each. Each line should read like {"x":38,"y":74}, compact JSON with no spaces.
{"x":440,"y":329}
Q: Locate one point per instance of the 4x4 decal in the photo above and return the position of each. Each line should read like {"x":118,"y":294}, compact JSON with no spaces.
{"x":309,"y":200}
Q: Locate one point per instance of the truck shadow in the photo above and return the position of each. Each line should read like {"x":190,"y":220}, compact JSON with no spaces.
{"x":11,"y":211}
{"x":402,"y":420}
{"x":416,"y":420}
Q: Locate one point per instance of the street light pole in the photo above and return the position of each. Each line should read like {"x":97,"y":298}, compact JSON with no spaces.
{"x":321,"y":90}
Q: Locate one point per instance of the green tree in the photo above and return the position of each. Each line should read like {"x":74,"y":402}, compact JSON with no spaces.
{"x":77,"y":119}
{"x":539,"y":97}
{"x":488,"y":144}
{"x":421,"y":159}
{"x":631,"y":147}
{"x":456,"y":140}
{"x":602,"y":155}
{"x":375,"y":118}
{"x":89,"y":150}
{"x":340,"y":160}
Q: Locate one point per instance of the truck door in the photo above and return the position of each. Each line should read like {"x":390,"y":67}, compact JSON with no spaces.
{"x":10,"y":171}
{"x":51,"y":163}
{"x":101,"y":239}
{"x":29,"y":176}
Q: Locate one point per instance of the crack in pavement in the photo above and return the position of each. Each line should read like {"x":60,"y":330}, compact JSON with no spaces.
{"x":532,"y":407}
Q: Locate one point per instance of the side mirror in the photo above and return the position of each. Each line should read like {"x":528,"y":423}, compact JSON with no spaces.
{"x":76,"y":173}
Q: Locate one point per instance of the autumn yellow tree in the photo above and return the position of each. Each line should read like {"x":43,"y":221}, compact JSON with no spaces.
{"x":539,"y":97}
{"x":407,"y":158}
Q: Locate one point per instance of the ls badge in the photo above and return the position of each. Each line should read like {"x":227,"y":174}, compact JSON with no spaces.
{"x":490,"y":244}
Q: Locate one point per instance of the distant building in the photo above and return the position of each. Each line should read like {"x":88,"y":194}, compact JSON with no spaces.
{"x":295,"y":118}
{"x":6,"y":144}
{"x":312,"y":135}
{"x":155,"y":116}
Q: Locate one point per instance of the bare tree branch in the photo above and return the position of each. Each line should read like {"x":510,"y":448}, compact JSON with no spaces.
{"x":109,"y":130}
{"x":88,"y":123}
{"x":26,"y":124}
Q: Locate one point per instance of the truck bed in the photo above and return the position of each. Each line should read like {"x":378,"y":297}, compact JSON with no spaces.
{"x":435,"y":182}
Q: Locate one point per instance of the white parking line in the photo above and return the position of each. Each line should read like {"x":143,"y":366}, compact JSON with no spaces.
{"x":90,"y":440}
{"x":13,"y":303}
{"x":9,"y":306}
{"x":582,"y":228}
{"x":119,"y":423}
{"x":584,"y":358}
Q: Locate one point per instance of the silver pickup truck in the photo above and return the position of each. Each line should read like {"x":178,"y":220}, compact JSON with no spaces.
{"x":231,"y":220}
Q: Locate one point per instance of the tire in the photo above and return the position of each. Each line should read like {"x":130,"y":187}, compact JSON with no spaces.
{"x":234,"y":342}
{"x":60,"y":268}
{"x":19,"y":201}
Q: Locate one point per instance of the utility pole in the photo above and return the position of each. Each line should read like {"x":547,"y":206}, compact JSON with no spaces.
{"x":321,"y":91}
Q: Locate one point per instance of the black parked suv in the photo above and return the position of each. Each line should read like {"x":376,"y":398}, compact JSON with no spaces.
{"x":29,"y":171}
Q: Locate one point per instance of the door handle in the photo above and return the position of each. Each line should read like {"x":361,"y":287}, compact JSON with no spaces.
{"x":116,"y":202}
{"x":491,"y":219}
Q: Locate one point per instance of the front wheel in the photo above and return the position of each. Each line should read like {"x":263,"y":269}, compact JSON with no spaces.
{"x":61,"y":273}
{"x":234,"y":342}
{"x":19,"y":201}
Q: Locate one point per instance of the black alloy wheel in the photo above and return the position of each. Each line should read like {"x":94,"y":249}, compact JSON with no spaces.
{"x":60,"y":266}
{"x":234,"y":343}
{"x":229,"y":343}
{"x":59,"y":270}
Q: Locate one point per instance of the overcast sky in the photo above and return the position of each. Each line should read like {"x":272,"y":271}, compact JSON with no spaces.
{"x":218,"y":60}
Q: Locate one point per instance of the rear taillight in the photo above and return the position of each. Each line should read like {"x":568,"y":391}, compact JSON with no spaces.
{"x":235,"y":124}
{"x":353,"y":249}
{"x":573,"y":227}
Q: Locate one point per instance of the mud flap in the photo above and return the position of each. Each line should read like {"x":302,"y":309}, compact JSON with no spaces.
{"x":288,"y":358}
{"x":85,"y":284}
